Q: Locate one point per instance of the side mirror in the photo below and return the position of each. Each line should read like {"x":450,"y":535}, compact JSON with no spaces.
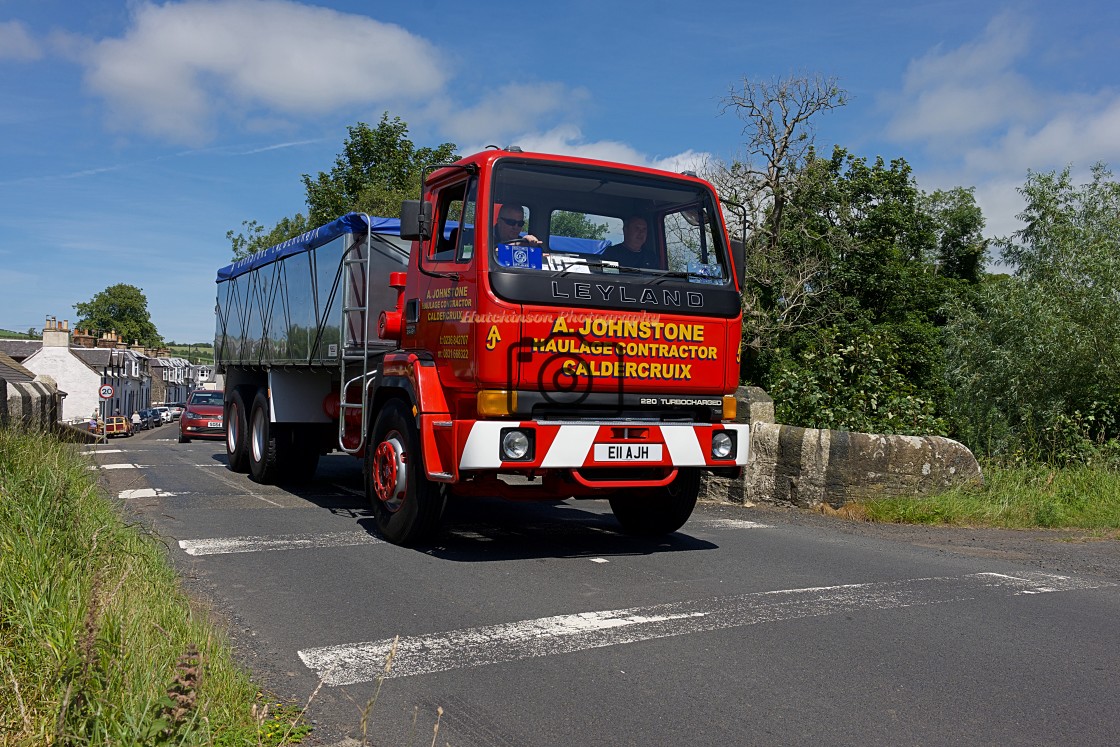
{"x":739,"y":257}
{"x":416,"y":220}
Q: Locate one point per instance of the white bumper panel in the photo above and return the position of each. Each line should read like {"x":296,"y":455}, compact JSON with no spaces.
{"x":572,"y":446}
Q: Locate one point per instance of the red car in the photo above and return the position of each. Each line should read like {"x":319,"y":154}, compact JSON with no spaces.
{"x":202,"y":417}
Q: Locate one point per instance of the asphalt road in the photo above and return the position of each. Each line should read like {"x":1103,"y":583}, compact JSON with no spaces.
{"x":537,"y":624}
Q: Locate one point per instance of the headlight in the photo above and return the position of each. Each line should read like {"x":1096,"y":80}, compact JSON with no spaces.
{"x":723,"y":445}
{"x":517,"y":446}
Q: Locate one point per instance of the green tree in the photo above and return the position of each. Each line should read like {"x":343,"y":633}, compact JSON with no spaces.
{"x":256,"y":238}
{"x":855,"y":340}
{"x":779,"y":118}
{"x":378,"y":168}
{"x":123,"y":308}
{"x":1035,"y":360}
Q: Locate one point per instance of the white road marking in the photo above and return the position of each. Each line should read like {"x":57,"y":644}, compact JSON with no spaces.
{"x":549,"y":636}
{"x":599,"y":560}
{"x":145,"y":493}
{"x":727,"y":524}
{"x":227,"y":545}
{"x":92,"y":449}
{"x":121,"y":466}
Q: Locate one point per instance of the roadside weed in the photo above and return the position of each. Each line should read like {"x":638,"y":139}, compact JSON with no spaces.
{"x":99,"y":643}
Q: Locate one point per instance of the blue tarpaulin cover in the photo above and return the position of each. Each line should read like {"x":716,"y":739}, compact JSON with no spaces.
{"x":349,"y":223}
{"x":357,"y":223}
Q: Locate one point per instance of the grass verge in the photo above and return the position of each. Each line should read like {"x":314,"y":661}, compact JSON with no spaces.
{"x":98,"y":643}
{"x":1019,"y":497}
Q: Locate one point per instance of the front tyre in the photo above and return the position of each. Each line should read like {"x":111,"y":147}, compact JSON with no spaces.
{"x":237,"y":428}
{"x":662,"y":511}
{"x":264,"y":461}
{"x":406,"y":505}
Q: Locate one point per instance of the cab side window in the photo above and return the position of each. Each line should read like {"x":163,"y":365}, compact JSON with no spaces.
{"x":454,"y":241}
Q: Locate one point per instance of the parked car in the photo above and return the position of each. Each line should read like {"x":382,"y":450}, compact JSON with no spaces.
{"x":177,"y":409}
{"x":202,"y":417}
{"x":117,"y":425}
{"x":164,"y":413}
{"x":149,"y":419}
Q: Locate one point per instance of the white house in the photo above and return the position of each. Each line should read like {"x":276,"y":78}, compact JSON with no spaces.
{"x":72,"y":374}
{"x":85,"y":372}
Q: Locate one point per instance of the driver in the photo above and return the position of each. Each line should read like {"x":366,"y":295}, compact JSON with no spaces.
{"x":511,"y":221}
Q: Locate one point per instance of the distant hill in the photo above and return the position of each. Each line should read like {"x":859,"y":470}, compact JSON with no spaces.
{"x":202,"y":352}
{"x":7,"y":334}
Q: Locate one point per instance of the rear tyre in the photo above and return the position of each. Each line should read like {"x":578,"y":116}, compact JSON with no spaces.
{"x":664,"y":511}
{"x":237,"y":429}
{"x":264,"y":450}
{"x":406,"y":505}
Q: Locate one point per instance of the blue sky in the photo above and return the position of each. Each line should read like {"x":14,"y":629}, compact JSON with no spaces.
{"x":133,"y":135}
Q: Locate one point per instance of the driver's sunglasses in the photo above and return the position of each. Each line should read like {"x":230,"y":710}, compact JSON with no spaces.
{"x":512,"y":222}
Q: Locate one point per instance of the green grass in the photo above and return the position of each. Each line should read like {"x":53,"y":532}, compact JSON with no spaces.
{"x":98,"y":643}
{"x":7,"y":334}
{"x":1020,"y":497}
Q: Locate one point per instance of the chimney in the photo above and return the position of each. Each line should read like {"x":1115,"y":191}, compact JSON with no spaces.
{"x":55,"y":335}
{"x":83,"y":339}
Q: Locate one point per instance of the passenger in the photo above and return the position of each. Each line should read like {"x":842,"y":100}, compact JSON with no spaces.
{"x":511,"y":222}
{"x":633,"y":252}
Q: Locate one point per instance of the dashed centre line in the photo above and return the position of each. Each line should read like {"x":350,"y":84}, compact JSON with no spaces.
{"x":551,"y":636}
{"x":145,"y":493}
{"x":729,"y":524}
{"x":224,"y":545}
{"x":227,"y":545}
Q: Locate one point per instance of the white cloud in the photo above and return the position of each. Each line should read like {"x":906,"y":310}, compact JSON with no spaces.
{"x":508,"y":109}
{"x":1079,"y":132}
{"x":16,"y":43}
{"x":181,"y":70}
{"x":179,"y":66}
{"x":984,"y":123}
{"x":568,"y":140}
{"x":966,"y":90}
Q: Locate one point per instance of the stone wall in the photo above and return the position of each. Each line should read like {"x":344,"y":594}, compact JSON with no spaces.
{"x":807,"y":467}
{"x":29,"y":404}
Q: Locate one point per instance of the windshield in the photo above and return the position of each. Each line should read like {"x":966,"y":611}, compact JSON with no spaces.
{"x":206,"y":398}
{"x":564,"y":220}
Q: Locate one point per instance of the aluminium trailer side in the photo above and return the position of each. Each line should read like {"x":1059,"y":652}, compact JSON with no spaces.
{"x":284,"y":306}
{"x":294,"y":323}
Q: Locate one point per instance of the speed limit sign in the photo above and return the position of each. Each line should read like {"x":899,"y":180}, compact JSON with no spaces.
{"x":107,"y":391}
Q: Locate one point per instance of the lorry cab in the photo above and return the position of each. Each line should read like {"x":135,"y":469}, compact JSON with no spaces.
{"x":554,"y":310}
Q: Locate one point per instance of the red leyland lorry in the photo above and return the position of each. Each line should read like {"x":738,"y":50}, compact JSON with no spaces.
{"x":499,"y":339}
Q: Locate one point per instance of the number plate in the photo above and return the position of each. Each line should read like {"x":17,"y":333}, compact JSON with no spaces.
{"x":627,"y":452}
{"x":213,"y":424}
